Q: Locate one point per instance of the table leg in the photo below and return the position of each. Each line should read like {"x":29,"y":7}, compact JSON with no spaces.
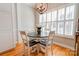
{"x":38,"y":48}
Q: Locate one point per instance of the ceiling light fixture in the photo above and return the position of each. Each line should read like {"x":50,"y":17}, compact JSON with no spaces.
{"x":41,"y":7}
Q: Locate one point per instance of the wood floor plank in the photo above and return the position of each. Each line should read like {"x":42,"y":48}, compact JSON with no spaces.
{"x":57,"y":51}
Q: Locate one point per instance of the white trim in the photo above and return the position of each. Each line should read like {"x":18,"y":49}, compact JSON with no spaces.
{"x":13,"y":16}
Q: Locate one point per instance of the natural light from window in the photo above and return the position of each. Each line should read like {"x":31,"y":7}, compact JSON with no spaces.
{"x":61,"y":20}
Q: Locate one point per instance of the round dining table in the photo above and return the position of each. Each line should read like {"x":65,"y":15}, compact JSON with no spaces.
{"x":38,"y":37}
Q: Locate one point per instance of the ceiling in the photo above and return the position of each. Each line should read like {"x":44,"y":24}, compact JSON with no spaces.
{"x":49,"y":4}
{"x":31,"y":4}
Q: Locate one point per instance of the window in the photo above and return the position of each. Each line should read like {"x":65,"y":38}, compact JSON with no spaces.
{"x":61,"y":20}
{"x":53,"y":26}
{"x":54,"y":15}
{"x":70,"y":12}
{"x":54,"y":21}
{"x":44,"y":17}
{"x":61,"y":14}
{"x":60,"y":27}
{"x":69,"y":27}
{"x":69,"y":20}
{"x":49,"y":16}
{"x":40,"y":18}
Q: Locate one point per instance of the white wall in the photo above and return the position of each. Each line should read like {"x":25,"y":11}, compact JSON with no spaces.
{"x":13,"y":18}
{"x":65,"y":42}
{"x":6,"y":27}
{"x":27,"y":21}
{"x":26,"y":18}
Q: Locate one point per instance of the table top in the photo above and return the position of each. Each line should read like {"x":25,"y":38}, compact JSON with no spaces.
{"x":42,"y":35}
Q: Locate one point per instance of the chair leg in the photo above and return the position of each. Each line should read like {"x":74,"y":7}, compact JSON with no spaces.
{"x":28,"y":51}
{"x":38,"y":49}
{"x":52,"y":50}
{"x":24,"y":50}
{"x":45,"y":51}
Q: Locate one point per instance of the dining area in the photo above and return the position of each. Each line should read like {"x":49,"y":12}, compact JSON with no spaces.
{"x":31,"y":30}
{"x":38,"y":42}
{"x":39,"y":29}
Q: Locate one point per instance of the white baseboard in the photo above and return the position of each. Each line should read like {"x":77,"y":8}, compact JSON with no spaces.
{"x":72,"y":48}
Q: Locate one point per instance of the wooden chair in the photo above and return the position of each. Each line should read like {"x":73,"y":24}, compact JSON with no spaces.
{"x":46,"y":42}
{"x":28,"y":43}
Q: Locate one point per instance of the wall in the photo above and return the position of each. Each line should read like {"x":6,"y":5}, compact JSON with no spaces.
{"x":13,"y":18}
{"x":6,"y":27}
{"x":19,"y":16}
{"x":26,"y":19}
{"x":65,"y":42}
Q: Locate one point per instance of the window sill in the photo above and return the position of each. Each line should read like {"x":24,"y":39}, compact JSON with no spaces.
{"x":64,"y":36}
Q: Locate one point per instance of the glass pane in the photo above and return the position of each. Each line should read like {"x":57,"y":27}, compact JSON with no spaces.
{"x":60,"y":27}
{"x":48,"y":26}
{"x":44,"y":17}
{"x":53,"y":26}
{"x":40,"y":18}
{"x":61,"y":14}
{"x":49,"y":16}
{"x":43,"y":26}
{"x":70,"y":12}
{"x":69,"y":28}
{"x":54,"y":15}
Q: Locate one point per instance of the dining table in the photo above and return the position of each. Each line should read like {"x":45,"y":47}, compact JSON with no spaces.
{"x":37,"y":37}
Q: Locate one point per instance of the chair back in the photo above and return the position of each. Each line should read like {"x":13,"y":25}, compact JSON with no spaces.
{"x":24,"y":37}
{"x":50,"y":38}
{"x":51,"y":35}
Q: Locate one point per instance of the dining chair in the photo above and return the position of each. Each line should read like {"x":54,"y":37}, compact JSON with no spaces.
{"x":46,"y":42}
{"x":27,"y":43}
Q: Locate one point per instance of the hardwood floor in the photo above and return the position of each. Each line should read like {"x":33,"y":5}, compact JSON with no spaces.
{"x":57,"y":51}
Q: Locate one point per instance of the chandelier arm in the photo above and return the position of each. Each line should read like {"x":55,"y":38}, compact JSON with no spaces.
{"x":41,"y":8}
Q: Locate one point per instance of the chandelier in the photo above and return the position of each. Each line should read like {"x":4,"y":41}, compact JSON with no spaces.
{"x":41,"y":7}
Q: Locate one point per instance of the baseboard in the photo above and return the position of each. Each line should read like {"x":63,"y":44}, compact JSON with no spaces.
{"x":6,"y":51}
{"x":64,"y":45}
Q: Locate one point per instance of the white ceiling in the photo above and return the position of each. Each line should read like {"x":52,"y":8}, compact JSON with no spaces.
{"x":30,"y":4}
{"x":49,"y":4}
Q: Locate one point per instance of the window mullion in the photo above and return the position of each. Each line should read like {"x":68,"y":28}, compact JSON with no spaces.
{"x":42,"y":21}
{"x":51,"y":21}
{"x":64,"y":20}
{"x":46,"y":21}
{"x":57,"y":22}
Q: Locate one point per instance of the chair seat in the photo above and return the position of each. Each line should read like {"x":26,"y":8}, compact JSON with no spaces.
{"x":31,"y":43}
{"x":45,"y":42}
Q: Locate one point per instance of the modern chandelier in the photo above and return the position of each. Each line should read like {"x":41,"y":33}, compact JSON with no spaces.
{"x":41,"y":7}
